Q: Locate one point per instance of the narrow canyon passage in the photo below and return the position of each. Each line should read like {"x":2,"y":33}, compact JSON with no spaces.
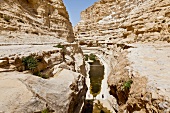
{"x":98,"y":91}
{"x":95,"y":76}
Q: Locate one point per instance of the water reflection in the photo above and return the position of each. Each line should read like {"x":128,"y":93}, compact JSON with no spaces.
{"x":96,"y":75}
{"x":88,"y":106}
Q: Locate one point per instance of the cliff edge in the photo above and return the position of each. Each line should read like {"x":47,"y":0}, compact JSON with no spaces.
{"x":34,"y":22}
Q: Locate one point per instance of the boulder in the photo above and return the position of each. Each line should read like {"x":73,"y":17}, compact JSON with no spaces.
{"x":25,"y":93}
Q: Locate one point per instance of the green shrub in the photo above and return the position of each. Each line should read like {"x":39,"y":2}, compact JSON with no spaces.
{"x":59,"y":46}
{"x":30,"y":62}
{"x":86,"y":57}
{"x":41,"y":75}
{"x":127,"y":84}
{"x":7,"y":18}
{"x":45,"y":111}
{"x":92,"y":57}
{"x":44,"y":76}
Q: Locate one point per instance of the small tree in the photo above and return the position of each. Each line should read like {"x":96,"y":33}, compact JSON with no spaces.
{"x":30,"y":62}
{"x":92,"y":57}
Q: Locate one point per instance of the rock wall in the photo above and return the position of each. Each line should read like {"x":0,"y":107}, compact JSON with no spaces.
{"x":128,"y":20}
{"x":97,"y":11}
{"x":58,"y":83}
{"x":137,"y":79}
{"x":34,"y":22}
{"x":138,"y":72}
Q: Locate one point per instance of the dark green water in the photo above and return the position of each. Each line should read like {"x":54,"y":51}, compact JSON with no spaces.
{"x":96,"y":76}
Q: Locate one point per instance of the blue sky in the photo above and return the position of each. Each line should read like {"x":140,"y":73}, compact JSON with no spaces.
{"x":74,"y":7}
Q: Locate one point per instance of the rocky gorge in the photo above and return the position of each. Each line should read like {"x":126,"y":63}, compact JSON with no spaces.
{"x":38,"y":74}
{"x":45,"y":64}
{"x":132,"y":36}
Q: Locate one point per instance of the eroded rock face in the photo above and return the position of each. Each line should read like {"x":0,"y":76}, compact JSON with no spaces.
{"x":138,"y":73}
{"x":57,"y":86}
{"x":96,"y":13}
{"x":34,"y":22}
{"x":139,"y":78}
{"x":133,"y":21}
{"x":24,"y":93}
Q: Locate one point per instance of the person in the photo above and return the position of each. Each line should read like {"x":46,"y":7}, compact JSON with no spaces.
{"x":102,"y":96}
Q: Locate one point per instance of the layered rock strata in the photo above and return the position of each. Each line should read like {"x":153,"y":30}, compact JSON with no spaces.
{"x":97,"y":11}
{"x":138,"y":73}
{"x":138,"y":76}
{"x":63,"y":90}
{"x":34,"y":22}
{"x":129,"y":20}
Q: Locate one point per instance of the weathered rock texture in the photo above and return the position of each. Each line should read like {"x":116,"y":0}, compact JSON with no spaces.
{"x":24,"y":93}
{"x":146,"y":66}
{"x":147,"y":69}
{"x":139,"y":72}
{"x":39,"y":78}
{"x":64,"y":90}
{"x":98,"y":11}
{"x":131,"y":20}
{"x":34,"y":21}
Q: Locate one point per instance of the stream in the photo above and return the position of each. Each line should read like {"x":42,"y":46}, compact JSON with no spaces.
{"x":97,"y":93}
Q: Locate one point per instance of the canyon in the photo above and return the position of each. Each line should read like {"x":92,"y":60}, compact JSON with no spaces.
{"x":46,"y":65}
{"x":38,"y":75}
{"x":132,"y":36}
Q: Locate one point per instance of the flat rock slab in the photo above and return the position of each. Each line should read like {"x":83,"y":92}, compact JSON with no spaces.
{"x":26,"y":93}
{"x":153,"y":62}
{"x":12,"y":93}
{"x":12,"y":50}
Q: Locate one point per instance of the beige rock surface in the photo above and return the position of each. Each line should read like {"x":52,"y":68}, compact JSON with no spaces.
{"x":152,"y":61}
{"x":96,"y":13}
{"x":22,"y":93}
{"x":108,"y":24}
{"x":62,"y":92}
{"x":147,"y":66}
{"x":12,"y":50}
{"x":32,"y":28}
{"x":135,"y":20}
{"x":34,"y":22}
{"x":11,"y":57}
{"x":146,"y":63}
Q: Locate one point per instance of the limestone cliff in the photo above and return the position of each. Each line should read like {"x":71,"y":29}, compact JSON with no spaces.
{"x":138,"y":73}
{"x":133,"y":20}
{"x":34,"y":21}
{"x":97,"y":11}
{"x":138,"y":76}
